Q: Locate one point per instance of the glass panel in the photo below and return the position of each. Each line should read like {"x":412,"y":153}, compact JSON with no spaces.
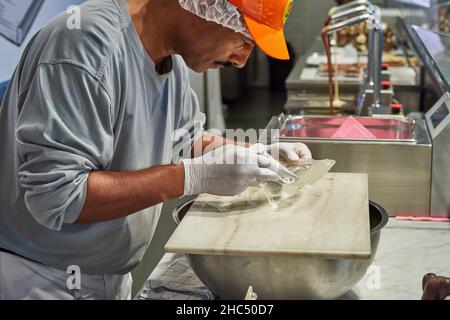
{"x":428,"y":14}
{"x":429,"y":24}
{"x":436,"y":45}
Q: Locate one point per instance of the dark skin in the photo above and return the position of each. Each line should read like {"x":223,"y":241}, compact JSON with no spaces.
{"x":165,"y":29}
{"x":234,"y":49}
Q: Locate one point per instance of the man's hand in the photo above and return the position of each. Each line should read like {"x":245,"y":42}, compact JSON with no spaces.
{"x":290,"y":152}
{"x":228,"y":171}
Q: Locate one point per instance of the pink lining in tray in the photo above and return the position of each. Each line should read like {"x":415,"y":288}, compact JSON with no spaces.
{"x":425,"y":219}
{"x":353,"y":129}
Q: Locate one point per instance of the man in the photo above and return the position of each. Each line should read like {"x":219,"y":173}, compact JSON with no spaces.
{"x":86,"y":132}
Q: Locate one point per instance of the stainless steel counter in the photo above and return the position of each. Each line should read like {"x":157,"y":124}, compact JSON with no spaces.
{"x":407,"y":251}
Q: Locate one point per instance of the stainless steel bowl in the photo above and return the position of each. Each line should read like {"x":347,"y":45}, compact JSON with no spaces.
{"x":284,"y":277}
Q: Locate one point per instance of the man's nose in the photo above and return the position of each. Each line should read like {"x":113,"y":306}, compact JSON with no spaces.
{"x":241,"y":56}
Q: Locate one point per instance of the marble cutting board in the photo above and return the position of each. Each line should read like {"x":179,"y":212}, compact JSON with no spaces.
{"x":328,"y":220}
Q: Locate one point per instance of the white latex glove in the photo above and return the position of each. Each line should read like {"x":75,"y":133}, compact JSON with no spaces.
{"x":290,"y":152}
{"x":228,"y":171}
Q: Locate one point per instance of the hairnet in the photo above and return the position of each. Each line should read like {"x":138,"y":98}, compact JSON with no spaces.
{"x":219,"y":11}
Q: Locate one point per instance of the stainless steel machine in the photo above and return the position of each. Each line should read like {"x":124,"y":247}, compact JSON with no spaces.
{"x":397,"y":160}
{"x":438,"y":121}
{"x":356,"y":12}
{"x":407,"y":160}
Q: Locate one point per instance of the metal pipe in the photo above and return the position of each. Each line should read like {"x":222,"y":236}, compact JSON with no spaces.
{"x":377,"y":62}
{"x":332,"y":28}
{"x":354,"y":13}
{"x":348,"y":6}
{"x":348,"y":13}
{"x":370,"y":57}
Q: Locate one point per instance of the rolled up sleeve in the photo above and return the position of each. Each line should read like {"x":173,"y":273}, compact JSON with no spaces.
{"x":64,"y":132}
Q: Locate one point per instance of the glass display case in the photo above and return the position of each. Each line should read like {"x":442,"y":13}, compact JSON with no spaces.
{"x":428,"y":14}
{"x":435,"y":51}
{"x":428,"y":25}
{"x":308,"y":84}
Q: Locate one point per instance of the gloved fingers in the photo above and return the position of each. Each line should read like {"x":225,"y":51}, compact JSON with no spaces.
{"x":289,"y":154}
{"x":259,"y":148}
{"x":267,"y":162}
{"x":302,"y":151}
{"x":286,"y":173}
{"x":266,"y":175}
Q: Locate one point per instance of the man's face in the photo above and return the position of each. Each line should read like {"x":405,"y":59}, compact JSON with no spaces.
{"x":208,"y":45}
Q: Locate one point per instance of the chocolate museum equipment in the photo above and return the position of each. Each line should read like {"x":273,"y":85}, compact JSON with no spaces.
{"x":407,"y":159}
{"x":370,"y":100}
{"x":391,"y":78}
{"x":398,"y":159}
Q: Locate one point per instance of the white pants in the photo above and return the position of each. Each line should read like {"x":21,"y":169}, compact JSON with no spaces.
{"x":21,"y":279}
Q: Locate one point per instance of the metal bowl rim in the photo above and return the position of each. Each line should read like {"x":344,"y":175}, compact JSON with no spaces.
{"x":378,"y":228}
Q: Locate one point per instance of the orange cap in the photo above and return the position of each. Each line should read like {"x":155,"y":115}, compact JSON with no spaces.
{"x":265,"y":20}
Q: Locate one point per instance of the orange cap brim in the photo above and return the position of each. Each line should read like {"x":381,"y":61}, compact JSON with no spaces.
{"x":269,"y":40}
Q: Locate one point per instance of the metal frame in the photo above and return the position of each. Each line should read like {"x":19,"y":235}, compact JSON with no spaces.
{"x":354,"y":13}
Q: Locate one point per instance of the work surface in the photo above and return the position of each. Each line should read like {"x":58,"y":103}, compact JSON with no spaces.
{"x":407,"y":251}
{"x":330,"y":219}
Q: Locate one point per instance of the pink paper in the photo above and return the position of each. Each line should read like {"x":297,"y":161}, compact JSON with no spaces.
{"x":353,"y":129}
{"x":426,"y":219}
